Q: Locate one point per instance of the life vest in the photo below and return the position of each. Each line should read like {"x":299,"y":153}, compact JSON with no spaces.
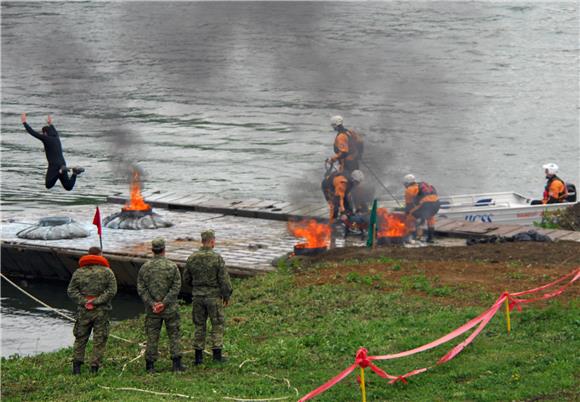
{"x":425,"y":189}
{"x":562,"y":195}
{"x":355,"y":144}
{"x":90,"y":259}
{"x":328,"y":187}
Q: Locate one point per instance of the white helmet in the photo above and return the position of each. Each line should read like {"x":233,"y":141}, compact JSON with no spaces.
{"x":550,"y":168}
{"x":409,"y":179}
{"x":336,"y":121}
{"x":357,"y":176}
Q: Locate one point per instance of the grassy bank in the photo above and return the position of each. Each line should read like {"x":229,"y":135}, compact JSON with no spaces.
{"x":289,"y":333}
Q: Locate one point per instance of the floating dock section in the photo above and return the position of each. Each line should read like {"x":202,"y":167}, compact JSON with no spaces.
{"x":250,"y":235}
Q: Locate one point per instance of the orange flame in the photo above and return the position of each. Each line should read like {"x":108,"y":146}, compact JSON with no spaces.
{"x":390,"y":225}
{"x":136,"y":203}
{"x":317,"y":235}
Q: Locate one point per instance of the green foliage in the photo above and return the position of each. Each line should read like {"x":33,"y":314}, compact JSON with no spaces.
{"x":566,"y":219}
{"x":278,"y":331}
{"x":422,"y":283}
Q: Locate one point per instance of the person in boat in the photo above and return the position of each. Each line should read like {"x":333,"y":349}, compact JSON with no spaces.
{"x":92,"y":287}
{"x":555,"y":190}
{"x":421,"y":205}
{"x":348,"y":147}
{"x":57,"y":169}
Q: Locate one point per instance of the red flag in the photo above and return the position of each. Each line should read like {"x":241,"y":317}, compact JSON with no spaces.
{"x":97,"y":221}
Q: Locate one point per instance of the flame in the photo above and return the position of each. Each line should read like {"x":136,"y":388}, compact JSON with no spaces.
{"x":390,"y":225}
{"x":137,"y":203}
{"x":317,"y":235}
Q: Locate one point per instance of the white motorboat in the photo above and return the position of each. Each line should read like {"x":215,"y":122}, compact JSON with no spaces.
{"x":506,"y":207}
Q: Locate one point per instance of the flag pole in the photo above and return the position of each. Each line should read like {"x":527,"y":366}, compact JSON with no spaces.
{"x":97,"y":223}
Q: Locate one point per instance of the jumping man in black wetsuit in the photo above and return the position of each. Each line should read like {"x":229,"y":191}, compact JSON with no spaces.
{"x":57,"y":169}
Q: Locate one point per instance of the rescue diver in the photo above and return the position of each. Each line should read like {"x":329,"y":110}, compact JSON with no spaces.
{"x":421,"y":204}
{"x":348,"y":147}
{"x":57,"y":169}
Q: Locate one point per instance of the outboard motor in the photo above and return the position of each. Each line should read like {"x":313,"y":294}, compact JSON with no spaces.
{"x":571,"y":188}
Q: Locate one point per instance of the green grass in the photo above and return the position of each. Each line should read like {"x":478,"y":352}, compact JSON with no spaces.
{"x":307,"y":335}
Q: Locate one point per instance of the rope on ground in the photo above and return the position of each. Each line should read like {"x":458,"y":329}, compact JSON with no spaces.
{"x":65,"y":316}
{"x":141,"y":354}
{"x":190,"y":397}
{"x":146,"y":391}
{"x":247,"y":361}
{"x":287,"y":381}
{"x":282,"y":398}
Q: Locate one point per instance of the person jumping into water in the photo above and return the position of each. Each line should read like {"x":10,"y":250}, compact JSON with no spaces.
{"x":57,"y":169}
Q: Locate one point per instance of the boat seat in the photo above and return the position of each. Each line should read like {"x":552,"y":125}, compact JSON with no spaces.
{"x":484,"y":202}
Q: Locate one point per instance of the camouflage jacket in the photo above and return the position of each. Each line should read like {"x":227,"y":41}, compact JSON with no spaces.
{"x":205,"y":270}
{"x":93,"y":280}
{"x":159,"y":280}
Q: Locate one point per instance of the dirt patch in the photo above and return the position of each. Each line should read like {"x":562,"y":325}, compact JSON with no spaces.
{"x":457,"y":275}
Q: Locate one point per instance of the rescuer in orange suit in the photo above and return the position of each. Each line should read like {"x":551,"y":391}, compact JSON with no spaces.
{"x":335,"y":188}
{"x":421,"y":204}
{"x":555,"y":190}
{"x":348,"y":147}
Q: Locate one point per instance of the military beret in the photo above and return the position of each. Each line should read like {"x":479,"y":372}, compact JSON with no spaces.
{"x":207,"y":235}
{"x":158,"y":243}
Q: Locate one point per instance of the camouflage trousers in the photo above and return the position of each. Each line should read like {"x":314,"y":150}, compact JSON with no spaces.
{"x":153,"y":324}
{"x":96,"y":321}
{"x":204,"y":308}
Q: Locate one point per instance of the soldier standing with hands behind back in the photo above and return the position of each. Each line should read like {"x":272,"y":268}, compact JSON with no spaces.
{"x":92,"y":287}
{"x":158,"y":284}
{"x":206,"y":272}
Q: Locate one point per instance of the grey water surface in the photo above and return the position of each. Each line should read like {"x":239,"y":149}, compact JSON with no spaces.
{"x":233,"y":99}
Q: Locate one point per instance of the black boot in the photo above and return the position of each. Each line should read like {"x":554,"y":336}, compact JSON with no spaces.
{"x":150,"y":366}
{"x":430,"y":235}
{"x":177,"y":366}
{"x":94,"y":369}
{"x":198,"y":357}
{"x":217,"y":356}
{"x":77,"y":367}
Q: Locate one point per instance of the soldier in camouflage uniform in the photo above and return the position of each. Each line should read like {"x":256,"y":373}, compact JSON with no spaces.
{"x":205,"y":271}
{"x":158,"y":284}
{"x":92,"y":287}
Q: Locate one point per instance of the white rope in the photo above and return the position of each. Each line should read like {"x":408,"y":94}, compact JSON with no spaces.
{"x":256,"y":400}
{"x":146,"y":391}
{"x":52,"y":308}
{"x":141,"y":354}
{"x":188,"y":396}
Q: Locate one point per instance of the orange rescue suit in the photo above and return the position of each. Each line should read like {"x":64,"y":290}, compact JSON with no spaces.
{"x":345,"y":153}
{"x":555,"y":191}
{"x":340,"y":186}
{"x":416,"y":195}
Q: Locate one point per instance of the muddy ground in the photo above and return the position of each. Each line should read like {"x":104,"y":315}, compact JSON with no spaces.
{"x":455,"y":275}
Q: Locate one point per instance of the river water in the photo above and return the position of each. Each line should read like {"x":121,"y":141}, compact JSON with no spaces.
{"x":233,"y":99}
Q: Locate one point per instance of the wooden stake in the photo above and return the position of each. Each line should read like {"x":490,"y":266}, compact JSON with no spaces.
{"x":507,"y":314}
{"x":362,"y":385}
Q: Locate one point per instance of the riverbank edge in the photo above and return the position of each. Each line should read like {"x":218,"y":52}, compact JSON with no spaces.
{"x":288,"y":333}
